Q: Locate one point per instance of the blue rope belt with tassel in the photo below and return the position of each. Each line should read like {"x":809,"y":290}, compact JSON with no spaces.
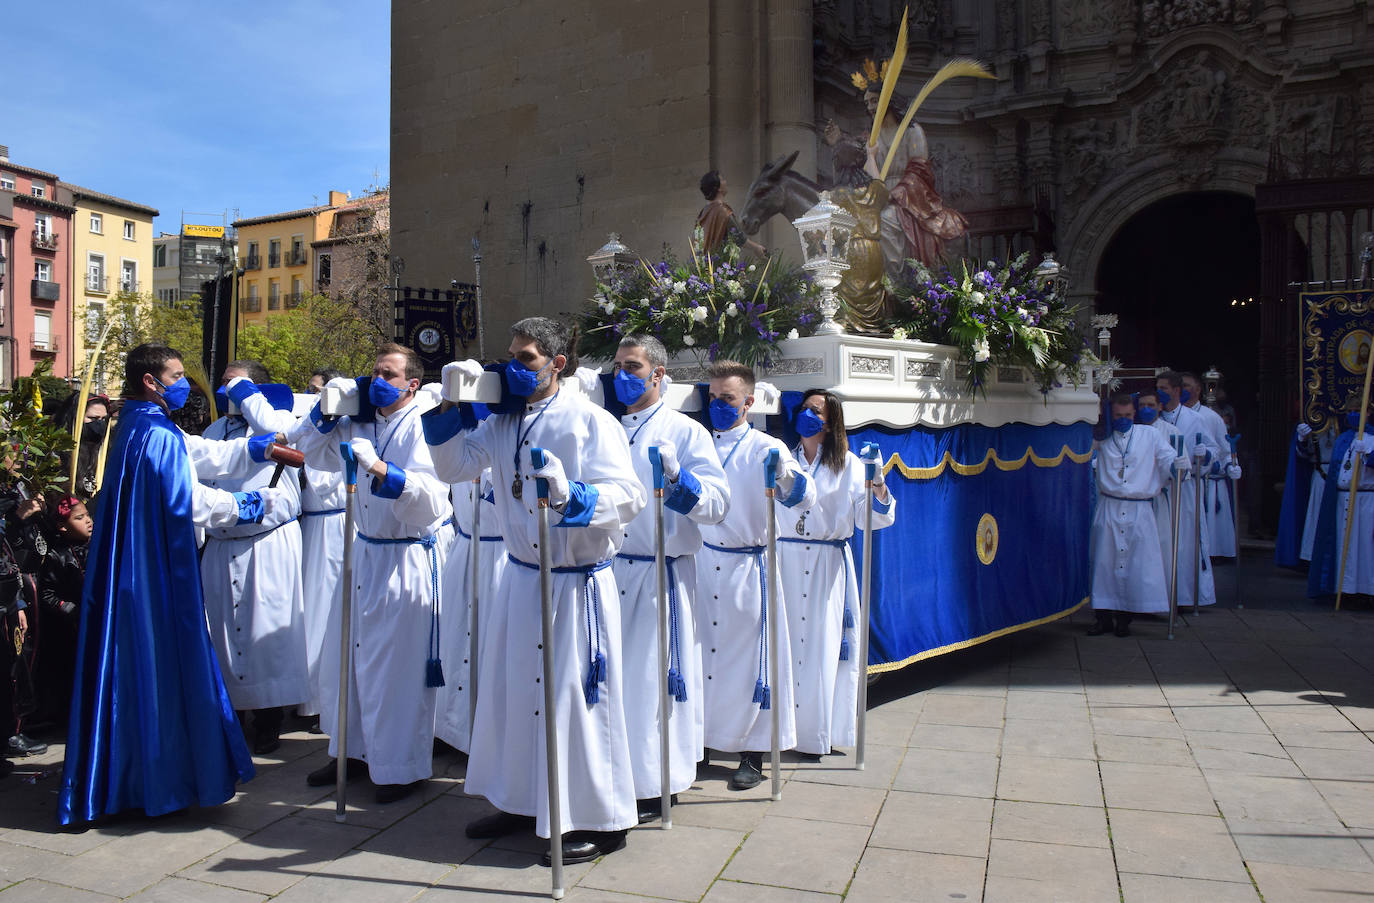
{"x":322,"y":512}
{"x":591,"y":605}
{"x":463,"y":533}
{"x":434,"y":667}
{"x":677,"y":687}
{"x":848,"y":623}
{"x":763,"y":693}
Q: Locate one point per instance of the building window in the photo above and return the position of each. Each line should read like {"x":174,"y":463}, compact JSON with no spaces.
{"x":160,"y":256}
{"x":42,"y":225}
{"x":297,"y":258}
{"x":6,"y":181}
{"x":95,"y":273}
{"x":274,"y":252}
{"x":42,"y":330}
{"x":129,"y":229}
{"x":274,"y":295}
{"x":128,"y":276}
{"x":42,"y":271}
{"x":97,"y":224}
{"x":38,"y":191}
{"x":95,"y":318}
{"x":322,"y":279}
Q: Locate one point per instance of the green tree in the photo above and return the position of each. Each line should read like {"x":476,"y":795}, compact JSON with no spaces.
{"x":33,"y":443}
{"x":322,"y":332}
{"x":135,"y":318}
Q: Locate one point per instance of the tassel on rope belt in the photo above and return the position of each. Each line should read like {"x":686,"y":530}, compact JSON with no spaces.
{"x":434,"y":667}
{"x":848,"y":624}
{"x":591,"y":605}
{"x":677,"y":687}
{"x":763,"y":693}
{"x":467,"y":536}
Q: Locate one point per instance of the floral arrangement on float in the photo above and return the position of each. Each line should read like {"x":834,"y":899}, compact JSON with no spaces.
{"x":996,"y":315}
{"x":719,"y":305}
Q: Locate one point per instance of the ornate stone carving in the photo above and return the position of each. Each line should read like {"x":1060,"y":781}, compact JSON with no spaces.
{"x":870,"y":366}
{"x":796,"y":366}
{"x":1090,"y":150}
{"x":924,"y":369}
{"x":1087,"y":19}
{"x":1164,"y":16}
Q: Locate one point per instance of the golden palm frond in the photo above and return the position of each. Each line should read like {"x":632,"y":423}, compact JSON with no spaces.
{"x":894,"y":69}
{"x":953,"y":69}
{"x":871,"y":71}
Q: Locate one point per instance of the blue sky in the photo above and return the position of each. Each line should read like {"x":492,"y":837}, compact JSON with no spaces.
{"x":202,"y":107}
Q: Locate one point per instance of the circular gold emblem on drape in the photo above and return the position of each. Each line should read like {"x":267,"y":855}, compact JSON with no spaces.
{"x":986,"y":540}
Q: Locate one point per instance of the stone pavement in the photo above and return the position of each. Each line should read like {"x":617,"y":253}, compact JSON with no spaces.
{"x":1233,"y":762}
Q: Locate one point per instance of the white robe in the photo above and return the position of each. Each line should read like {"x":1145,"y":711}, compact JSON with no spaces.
{"x":211,"y":460}
{"x":252,"y":581}
{"x":1322,"y":445}
{"x":1359,"y":561}
{"x":1163,"y":504}
{"x":391,"y":711}
{"x":1128,"y":573}
{"x":452,"y":724}
{"x":638,"y":582}
{"x":730,"y":619}
{"x":322,"y":539}
{"x":821,"y":583}
{"x":507,"y":761}
{"x":1193,"y":563}
{"x":1217,"y":489}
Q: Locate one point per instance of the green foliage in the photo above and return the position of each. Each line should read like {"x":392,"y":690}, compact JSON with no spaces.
{"x":33,"y":443}
{"x":717,"y":306}
{"x":322,"y":332}
{"x":135,"y":318}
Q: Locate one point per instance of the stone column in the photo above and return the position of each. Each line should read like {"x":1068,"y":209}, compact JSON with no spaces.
{"x":789,"y":92}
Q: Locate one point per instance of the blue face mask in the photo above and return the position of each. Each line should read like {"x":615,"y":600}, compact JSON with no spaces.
{"x":723,"y":414}
{"x":1185,"y":396}
{"x":1121,"y":424}
{"x":176,"y":394}
{"x":628,"y":389}
{"x":1352,"y":419}
{"x":1165,"y":398}
{"x":521,"y":380}
{"x":1147,"y":415}
{"x":809,"y":423}
{"x":221,"y":400}
{"x":382,"y":393}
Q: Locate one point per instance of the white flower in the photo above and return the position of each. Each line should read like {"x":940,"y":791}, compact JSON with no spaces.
{"x":978,"y":297}
{"x":751,"y":268}
{"x":899,"y":334}
{"x":679,"y":287}
{"x":609,"y":307}
{"x":735,"y":288}
{"x":793,"y":334}
{"x":599,"y":298}
{"x":1044,"y":309}
{"x":732,"y":311}
{"x":699,"y":314}
{"x":643,"y":302}
{"x":981,"y":352}
{"x":1023,"y":313}
{"x":688,"y":341}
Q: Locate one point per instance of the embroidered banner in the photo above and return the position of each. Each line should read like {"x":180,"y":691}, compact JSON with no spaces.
{"x":435,"y":323}
{"x":1337,"y":334}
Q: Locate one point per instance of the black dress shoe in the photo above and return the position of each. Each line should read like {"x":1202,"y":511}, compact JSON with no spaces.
{"x":19,"y":745}
{"x":265,"y":746}
{"x":811,"y":758}
{"x":584,"y":846}
{"x":326,"y":774}
{"x":498,"y":824}
{"x":652,"y":808}
{"x":390,"y":793}
{"x":749,"y":773}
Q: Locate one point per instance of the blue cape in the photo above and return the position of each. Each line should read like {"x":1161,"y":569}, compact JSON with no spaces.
{"x":1297,"y":488}
{"x":151,"y":724}
{"x":1326,"y":555}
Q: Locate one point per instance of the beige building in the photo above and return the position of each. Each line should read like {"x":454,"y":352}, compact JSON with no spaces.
{"x":111,"y":255}
{"x":274,"y":254}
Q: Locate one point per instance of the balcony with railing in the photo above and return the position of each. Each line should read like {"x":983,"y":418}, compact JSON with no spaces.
{"x":251,"y":304}
{"x":295,"y":257}
{"x":274,"y":302}
{"x":129,"y":285}
{"x":44,"y":344}
{"x":42,"y":290}
{"x":97,"y":285}
{"x":273,"y":259}
{"x":45,"y":241}
{"x":294,"y":300}
{"x":252,"y":262}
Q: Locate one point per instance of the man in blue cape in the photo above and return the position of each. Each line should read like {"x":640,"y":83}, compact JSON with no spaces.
{"x":151,"y":724}
{"x":1326,"y":550}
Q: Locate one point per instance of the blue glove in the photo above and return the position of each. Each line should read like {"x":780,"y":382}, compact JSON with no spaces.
{"x":259,"y":446}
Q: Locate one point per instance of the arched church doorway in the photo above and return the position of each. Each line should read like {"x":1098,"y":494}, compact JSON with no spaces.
{"x":1180,"y":276}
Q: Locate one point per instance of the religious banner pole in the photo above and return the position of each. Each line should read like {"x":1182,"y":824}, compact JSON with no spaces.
{"x":1357,"y":465}
{"x":770,"y":605}
{"x":477,"y":298}
{"x":345,"y":634}
{"x":537,"y":460}
{"x":665,"y":706}
{"x":1235,"y":514}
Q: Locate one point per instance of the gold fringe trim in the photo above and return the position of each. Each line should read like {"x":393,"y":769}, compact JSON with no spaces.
{"x":969,"y":470}
{"x":965,"y":644}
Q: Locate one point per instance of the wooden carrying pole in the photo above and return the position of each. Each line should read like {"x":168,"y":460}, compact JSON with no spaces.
{"x":1357,"y":464}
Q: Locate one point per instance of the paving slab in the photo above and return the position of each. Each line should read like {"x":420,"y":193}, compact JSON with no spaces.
{"x":1043,"y":779}
{"x":1160,"y":788}
{"x":181,"y":890}
{"x":829,"y":802}
{"x":1143,"y":750}
{"x":957,"y":737}
{"x":900,"y":876}
{"x":679,"y":864}
{"x":278,"y":856}
{"x":1161,"y":889}
{"x":979,"y":711}
{"x":801,"y":854}
{"x":1069,"y":738}
{"x":1084,"y":826}
{"x":1040,"y":871}
{"x":1260,"y":798}
{"x":738,"y":892}
{"x":1293,"y":843}
{"x":130,"y":863}
{"x":1298,"y":884}
{"x":365,"y":877}
{"x":932,"y":823}
{"x":35,"y":890}
{"x":1171,"y":843}
{"x":948,"y":771}
{"x":500,"y":875}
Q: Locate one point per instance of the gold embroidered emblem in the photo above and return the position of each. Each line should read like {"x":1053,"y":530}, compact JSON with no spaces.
{"x":986,"y":540}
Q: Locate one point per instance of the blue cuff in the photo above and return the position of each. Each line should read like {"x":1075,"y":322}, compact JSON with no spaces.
{"x":239,"y":391}
{"x":250,"y":507}
{"x":581,"y":505}
{"x":798,"y":491}
{"x":390,"y":488}
{"x":441,"y":426}
{"x":685,"y":495}
{"x":883,"y":507}
{"x":324,"y":426}
{"x":258,"y":446}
